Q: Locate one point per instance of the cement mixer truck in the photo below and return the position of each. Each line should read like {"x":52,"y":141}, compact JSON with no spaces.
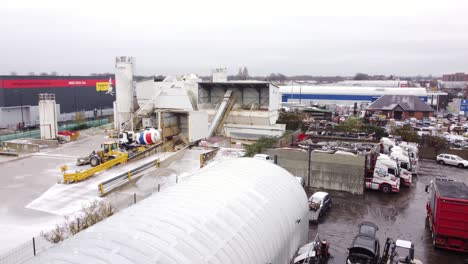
{"x":129,"y":140}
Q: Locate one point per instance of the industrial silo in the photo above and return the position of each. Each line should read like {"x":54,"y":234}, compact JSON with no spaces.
{"x":124,"y":90}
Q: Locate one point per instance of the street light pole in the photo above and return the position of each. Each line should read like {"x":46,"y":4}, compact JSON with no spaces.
{"x":21,"y":103}
{"x":308,"y":169}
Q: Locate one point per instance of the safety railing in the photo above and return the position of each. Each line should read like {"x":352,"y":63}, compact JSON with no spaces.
{"x":109,"y":185}
{"x":206,"y":157}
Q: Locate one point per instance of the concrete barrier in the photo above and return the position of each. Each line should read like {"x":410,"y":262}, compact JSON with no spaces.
{"x":22,"y":147}
{"x":431,"y":153}
{"x":338,"y":172}
{"x":177,"y":156}
{"x":328,"y":171}
{"x":48,"y":142}
{"x":293,"y":160}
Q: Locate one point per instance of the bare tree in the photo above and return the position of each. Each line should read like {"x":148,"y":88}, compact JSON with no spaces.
{"x":54,"y":73}
{"x":13,"y":73}
{"x":245,"y":73}
{"x":361,"y":76}
{"x":31,"y":73}
{"x":44,"y":74}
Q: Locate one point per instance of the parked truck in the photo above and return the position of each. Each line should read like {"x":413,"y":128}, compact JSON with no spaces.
{"x":447,"y":214}
{"x":385,"y":176}
{"x":413,"y":154}
{"x":404,"y":165}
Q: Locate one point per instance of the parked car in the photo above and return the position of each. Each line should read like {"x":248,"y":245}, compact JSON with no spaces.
{"x":319,"y":203}
{"x":315,"y":252}
{"x":263,"y":157}
{"x":301,"y":181}
{"x":450,"y":159}
{"x":365,"y":247}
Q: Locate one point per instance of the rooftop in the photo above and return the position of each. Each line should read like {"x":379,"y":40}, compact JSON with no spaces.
{"x":405,"y":102}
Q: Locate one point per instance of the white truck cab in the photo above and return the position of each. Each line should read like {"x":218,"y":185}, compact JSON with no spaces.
{"x":126,"y":137}
{"x":404,"y":165}
{"x":387,"y":144}
{"x":385,"y":177}
{"x":413,"y":153}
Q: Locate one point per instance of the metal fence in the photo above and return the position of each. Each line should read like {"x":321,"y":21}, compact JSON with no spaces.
{"x":38,"y":243}
{"x":36,"y":133}
{"x":26,"y":250}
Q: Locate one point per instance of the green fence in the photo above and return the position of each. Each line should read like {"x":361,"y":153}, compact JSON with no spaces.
{"x":35,"y":133}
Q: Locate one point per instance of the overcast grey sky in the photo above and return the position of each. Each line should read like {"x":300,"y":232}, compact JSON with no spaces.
{"x":326,"y":37}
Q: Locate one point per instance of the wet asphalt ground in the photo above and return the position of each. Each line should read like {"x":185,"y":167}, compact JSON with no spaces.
{"x":398,"y":216}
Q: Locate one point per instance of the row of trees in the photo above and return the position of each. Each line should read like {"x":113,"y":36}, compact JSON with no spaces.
{"x":243,"y":74}
{"x":33,"y":73}
{"x":356,"y":125}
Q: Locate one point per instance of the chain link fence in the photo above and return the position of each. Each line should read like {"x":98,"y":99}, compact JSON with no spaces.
{"x":25,"y":250}
{"x":36,"y":133}
{"x":38,"y":243}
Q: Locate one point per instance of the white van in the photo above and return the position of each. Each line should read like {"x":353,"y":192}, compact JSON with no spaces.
{"x":263,"y":157}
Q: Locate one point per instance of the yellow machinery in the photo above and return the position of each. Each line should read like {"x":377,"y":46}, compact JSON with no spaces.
{"x":103,"y":159}
{"x":82,"y":175}
{"x":109,"y":151}
{"x":107,"y":157}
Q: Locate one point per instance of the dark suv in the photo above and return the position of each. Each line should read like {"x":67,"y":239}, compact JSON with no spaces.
{"x":365,"y":248}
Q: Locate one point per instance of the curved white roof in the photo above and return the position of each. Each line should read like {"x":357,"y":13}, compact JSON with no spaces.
{"x":237,"y":211}
{"x":351,"y":90}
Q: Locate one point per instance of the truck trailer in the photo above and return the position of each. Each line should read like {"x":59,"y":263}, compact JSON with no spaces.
{"x":447,"y":214}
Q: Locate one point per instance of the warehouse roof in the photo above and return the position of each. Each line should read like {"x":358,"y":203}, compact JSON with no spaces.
{"x":409,"y":103}
{"x":350,"y":90}
{"x":236,"y":211}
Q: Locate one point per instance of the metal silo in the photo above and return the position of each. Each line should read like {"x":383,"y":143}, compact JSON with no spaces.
{"x":124,"y":90}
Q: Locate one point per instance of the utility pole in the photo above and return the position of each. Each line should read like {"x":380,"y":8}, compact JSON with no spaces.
{"x":22,"y":118}
{"x":309,"y":169}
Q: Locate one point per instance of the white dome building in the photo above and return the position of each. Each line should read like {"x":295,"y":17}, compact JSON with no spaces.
{"x":236,"y":211}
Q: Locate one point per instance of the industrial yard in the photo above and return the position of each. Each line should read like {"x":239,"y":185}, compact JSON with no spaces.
{"x":356,"y":164}
{"x":236,"y":133}
{"x":399,"y":216}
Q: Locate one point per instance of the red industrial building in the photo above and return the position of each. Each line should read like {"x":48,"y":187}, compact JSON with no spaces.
{"x":455,"y":77}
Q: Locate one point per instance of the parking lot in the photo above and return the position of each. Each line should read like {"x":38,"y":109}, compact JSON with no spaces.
{"x":400,"y":215}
